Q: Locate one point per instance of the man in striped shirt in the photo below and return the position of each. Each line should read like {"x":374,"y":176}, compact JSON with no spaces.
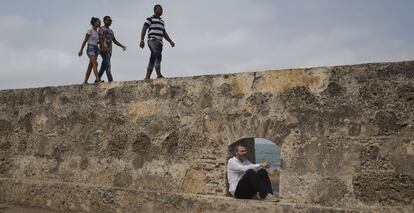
{"x":156,"y":32}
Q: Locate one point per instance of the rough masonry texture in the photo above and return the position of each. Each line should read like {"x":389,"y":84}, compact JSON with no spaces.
{"x":346,"y":135}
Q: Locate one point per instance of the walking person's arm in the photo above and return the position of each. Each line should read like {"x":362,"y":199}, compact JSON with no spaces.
{"x":83,"y":45}
{"x":119,"y":44}
{"x":143,"y":32}
{"x":167,"y":37}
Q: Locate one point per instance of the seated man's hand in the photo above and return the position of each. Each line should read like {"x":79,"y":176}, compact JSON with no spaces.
{"x":265,"y":164}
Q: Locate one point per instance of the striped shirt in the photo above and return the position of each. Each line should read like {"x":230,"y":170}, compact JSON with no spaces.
{"x":156,"y":27}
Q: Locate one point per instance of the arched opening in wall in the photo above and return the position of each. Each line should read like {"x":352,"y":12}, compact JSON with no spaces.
{"x":259,"y":150}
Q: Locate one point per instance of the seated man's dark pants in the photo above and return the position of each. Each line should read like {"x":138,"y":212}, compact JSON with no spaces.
{"x":252,"y":183}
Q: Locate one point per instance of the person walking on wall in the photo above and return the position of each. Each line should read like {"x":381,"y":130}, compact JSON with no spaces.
{"x":248,"y":180}
{"x":107,"y":36}
{"x":156,"y":32}
{"x":92,"y":38}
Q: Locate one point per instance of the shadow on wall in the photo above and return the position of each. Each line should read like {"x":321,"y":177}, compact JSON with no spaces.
{"x":259,"y":150}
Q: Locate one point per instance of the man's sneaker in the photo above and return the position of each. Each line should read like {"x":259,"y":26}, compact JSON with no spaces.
{"x":271,"y":198}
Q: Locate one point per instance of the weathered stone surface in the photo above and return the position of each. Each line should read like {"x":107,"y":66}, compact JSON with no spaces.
{"x":9,"y":208}
{"x":384,"y":188}
{"x":328,"y":191}
{"x":346,"y":137}
{"x":122,"y":179}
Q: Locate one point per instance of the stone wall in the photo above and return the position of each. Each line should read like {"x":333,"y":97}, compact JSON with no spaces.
{"x":346,"y":135}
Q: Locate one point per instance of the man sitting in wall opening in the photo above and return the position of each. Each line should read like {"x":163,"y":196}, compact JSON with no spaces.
{"x":247,"y":180}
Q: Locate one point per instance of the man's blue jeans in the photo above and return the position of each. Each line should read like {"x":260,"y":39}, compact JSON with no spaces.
{"x":155,"y":46}
{"x":106,"y":66}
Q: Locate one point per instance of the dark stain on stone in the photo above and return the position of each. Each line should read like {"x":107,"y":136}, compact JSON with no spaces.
{"x":117,"y":145}
{"x":122,"y":179}
{"x":354,"y":129}
{"x":260,"y":101}
{"x":41,"y":149}
{"x":93,"y":95}
{"x":110,"y":95}
{"x":170,"y":144}
{"x":229,"y":116}
{"x":65,"y":100}
{"x":175,"y":91}
{"x":406,"y":94}
{"x":73,"y":118}
{"x":336,"y":118}
{"x":405,"y":69}
{"x":88,"y":142}
{"x":370,"y":153}
{"x":107,"y":196}
{"x":179,"y":145}
{"x":5,"y":165}
{"x":372,"y":95}
{"x":248,"y":114}
{"x":328,"y":192}
{"x":205,"y":101}
{"x":116,"y":119}
{"x":371,"y":158}
{"x":387,"y":123}
{"x":138,"y":162}
{"x":5,"y":127}
{"x":58,"y":151}
{"x":299,"y":97}
{"x":84,"y":163}
{"x":22,"y":145}
{"x":26,"y":122}
{"x":141,"y":143}
{"x":334,"y":89}
{"x":385,"y":188}
{"x":5,"y":146}
{"x":224,"y":89}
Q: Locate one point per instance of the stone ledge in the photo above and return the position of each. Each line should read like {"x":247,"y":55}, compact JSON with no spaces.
{"x":70,"y":197}
{"x":10,"y":208}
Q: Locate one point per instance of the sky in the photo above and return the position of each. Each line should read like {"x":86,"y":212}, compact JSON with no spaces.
{"x":40,"y":39}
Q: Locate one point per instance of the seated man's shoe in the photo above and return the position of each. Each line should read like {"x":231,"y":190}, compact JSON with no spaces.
{"x":271,"y":198}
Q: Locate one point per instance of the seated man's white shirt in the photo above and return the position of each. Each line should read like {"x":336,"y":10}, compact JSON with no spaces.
{"x":235,"y":171}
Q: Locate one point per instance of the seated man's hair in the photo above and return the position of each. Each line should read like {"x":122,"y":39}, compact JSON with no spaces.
{"x":236,"y":146}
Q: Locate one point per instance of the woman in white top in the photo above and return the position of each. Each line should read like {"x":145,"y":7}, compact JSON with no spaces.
{"x":92,"y":37}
